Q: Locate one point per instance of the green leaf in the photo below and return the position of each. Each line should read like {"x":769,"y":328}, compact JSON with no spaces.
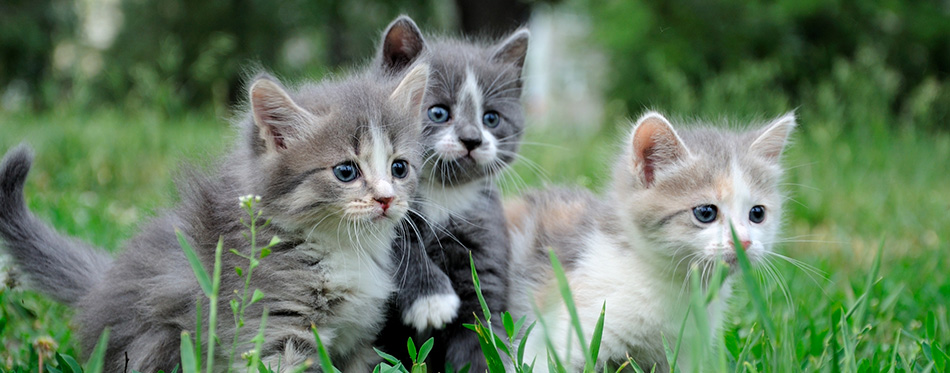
{"x":273,"y":241}
{"x":239,"y":271}
{"x":930,"y":325}
{"x":265,"y":252}
{"x":189,"y":363}
{"x":68,"y":364}
{"x":257,"y":296}
{"x":508,"y":323}
{"x":487,"y":340}
{"x":425,"y":349}
{"x":411,"y":347}
{"x":390,"y":358}
{"x":234,"y":306}
{"x":96,"y":360}
{"x":203,"y":279}
{"x":940,"y":358}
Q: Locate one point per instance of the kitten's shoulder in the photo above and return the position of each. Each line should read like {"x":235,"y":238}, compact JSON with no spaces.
{"x":558,"y":218}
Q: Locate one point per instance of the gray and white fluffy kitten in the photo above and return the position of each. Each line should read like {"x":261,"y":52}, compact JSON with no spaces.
{"x":335,"y":164}
{"x":472,"y":127}
{"x":669,"y":207}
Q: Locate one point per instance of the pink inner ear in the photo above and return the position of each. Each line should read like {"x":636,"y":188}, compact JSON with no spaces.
{"x":277,"y":136}
{"x":647,"y":167}
{"x":402,"y":45}
{"x":644,"y":146}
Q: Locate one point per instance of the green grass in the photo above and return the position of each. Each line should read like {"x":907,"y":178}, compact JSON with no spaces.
{"x":857,"y":189}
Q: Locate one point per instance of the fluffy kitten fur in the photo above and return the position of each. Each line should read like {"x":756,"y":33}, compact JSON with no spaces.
{"x":332,"y":268}
{"x":458,"y":203}
{"x":634,"y":248}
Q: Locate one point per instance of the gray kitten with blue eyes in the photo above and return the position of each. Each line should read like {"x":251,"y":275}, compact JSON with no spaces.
{"x":473,"y":123}
{"x":335,"y":164}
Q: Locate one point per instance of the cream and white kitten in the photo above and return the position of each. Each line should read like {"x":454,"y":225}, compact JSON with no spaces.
{"x":669,"y":207}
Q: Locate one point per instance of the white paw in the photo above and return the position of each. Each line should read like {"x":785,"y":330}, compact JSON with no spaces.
{"x":432,"y":311}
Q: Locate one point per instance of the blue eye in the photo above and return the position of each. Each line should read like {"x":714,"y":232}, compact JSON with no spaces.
{"x":439,"y":114}
{"x":491,"y":119}
{"x":757,"y":214}
{"x":400,"y":169}
{"x":705,"y":213}
{"x":346,"y":172}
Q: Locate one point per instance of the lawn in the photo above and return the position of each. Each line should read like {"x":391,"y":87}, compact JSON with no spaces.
{"x":861,"y":194}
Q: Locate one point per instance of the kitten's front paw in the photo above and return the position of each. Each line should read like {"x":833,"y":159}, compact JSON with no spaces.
{"x":432,"y":311}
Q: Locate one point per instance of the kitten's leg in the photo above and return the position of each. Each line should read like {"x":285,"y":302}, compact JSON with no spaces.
{"x":483,"y":234}
{"x":294,"y":354}
{"x":425,"y":298}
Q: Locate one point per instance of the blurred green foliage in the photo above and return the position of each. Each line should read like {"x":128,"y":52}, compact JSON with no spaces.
{"x":762,"y":56}
{"x":692,"y":56}
{"x":29,"y":30}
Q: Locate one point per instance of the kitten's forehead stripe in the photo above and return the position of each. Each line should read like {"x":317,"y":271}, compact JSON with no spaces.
{"x":723,"y":186}
{"x":470,"y":97}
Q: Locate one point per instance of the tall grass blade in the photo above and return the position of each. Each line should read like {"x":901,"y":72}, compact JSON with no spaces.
{"x":596,"y":339}
{"x":96,"y":361}
{"x":679,"y":342}
{"x":895,"y":348}
{"x":860,"y":308}
{"x":569,"y":302}
{"x":325,"y":362}
{"x":486,"y":334}
{"x":200,"y":273}
{"x":213,"y":305}
{"x":755,"y":293}
{"x":478,"y":291}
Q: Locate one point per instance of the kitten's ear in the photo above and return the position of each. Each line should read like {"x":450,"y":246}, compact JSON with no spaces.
{"x":411,"y":90}
{"x":402,"y":44}
{"x":655,"y":145}
{"x":276,"y":115}
{"x":770,"y":143}
{"x":513,"y":49}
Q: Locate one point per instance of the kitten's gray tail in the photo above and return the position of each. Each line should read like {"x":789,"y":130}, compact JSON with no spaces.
{"x":62,"y":267}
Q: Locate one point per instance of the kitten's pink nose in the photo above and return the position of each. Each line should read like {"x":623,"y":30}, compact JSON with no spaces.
{"x":745,"y":244}
{"x":384,"y":202}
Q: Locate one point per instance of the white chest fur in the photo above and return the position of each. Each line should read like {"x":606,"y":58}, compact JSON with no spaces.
{"x":642,"y":306}
{"x":359,"y":273}
{"x":441,"y":202}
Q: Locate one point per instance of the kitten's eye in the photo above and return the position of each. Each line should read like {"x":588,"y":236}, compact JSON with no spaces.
{"x":757,"y":214}
{"x":705,"y":213}
{"x":346,"y":172}
{"x":439,"y":114}
{"x":491,"y":119}
{"x":400,"y":169}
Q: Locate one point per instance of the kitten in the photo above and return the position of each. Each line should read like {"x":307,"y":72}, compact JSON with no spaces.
{"x":673,"y":195}
{"x":335,"y":164}
{"x":472,"y":128}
